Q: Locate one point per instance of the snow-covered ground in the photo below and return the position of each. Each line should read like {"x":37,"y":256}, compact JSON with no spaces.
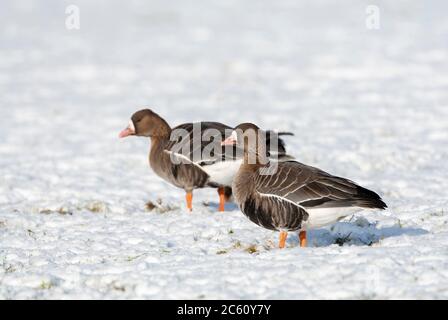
{"x":370,"y":105}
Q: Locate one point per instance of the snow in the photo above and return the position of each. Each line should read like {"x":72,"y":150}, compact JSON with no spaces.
{"x":369,"y":105}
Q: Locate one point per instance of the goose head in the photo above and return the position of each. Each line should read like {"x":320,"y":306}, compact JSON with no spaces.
{"x":146,"y":123}
{"x":252,"y":140}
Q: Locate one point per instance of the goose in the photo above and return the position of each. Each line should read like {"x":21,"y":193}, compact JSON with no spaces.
{"x":291,"y":196}
{"x":189,"y":160}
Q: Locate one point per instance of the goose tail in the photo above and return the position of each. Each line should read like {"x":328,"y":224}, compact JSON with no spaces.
{"x":369,"y":199}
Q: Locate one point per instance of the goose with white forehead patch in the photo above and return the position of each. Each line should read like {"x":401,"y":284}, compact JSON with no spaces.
{"x":188,"y":160}
{"x":291,"y":196}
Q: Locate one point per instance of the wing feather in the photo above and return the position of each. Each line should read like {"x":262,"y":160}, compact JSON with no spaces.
{"x":195,"y":151}
{"x":311,"y":187}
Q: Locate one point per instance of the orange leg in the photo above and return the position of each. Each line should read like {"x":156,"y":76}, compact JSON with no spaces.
{"x":282,"y":241}
{"x":222,"y":199}
{"x":189,"y":198}
{"x":302,"y":237}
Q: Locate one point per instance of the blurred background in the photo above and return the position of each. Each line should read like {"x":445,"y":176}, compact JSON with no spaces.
{"x":358,"y":98}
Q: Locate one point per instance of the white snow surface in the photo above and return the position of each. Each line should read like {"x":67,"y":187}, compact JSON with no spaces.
{"x":369,"y":105}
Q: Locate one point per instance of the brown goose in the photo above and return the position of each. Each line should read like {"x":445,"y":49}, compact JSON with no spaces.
{"x":190,"y":160}
{"x":291,"y":196}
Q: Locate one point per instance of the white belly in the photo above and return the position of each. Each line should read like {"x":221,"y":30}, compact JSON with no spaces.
{"x":223,"y":172}
{"x":325,"y":216}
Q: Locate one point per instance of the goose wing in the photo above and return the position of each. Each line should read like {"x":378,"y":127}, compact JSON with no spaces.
{"x":207,"y":150}
{"x":202,"y":147}
{"x":310,"y":187}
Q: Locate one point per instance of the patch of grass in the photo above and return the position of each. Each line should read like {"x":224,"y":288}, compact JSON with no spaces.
{"x":31,"y":233}
{"x":61,"y":210}
{"x":149,"y":206}
{"x":237,"y":245}
{"x":340,"y":241}
{"x":95,"y":206}
{"x":45,"y":285}
{"x":118,"y":287}
{"x":440,"y":213}
{"x":2,"y":224}
{"x":7,"y":267}
{"x":132,"y":258}
{"x":251,"y":249}
{"x":159,"y":207}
